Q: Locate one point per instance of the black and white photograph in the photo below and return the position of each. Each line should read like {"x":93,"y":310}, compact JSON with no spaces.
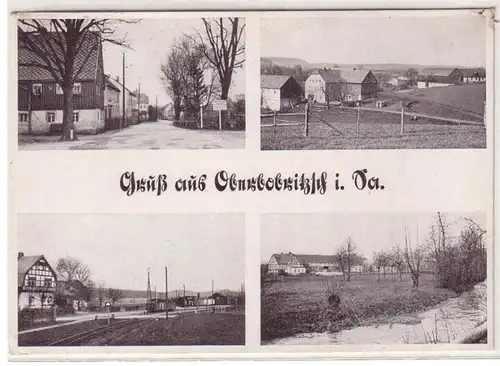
{"x":162,"y":83}
{"x":374,"y":81}
{"x":374,"y":278}
{"x":131,"y":280}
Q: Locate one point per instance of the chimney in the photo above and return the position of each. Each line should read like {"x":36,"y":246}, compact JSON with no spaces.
{"x":20,"y":255}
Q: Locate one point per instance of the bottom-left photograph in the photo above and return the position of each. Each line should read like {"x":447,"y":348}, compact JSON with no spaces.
{"x":130,"y":280}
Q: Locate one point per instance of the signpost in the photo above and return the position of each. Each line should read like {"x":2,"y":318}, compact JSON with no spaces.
{"x":220,"y":105}
{"x":108,"y":305}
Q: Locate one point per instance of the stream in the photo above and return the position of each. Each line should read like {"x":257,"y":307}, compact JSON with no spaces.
{"x":442,"y":324}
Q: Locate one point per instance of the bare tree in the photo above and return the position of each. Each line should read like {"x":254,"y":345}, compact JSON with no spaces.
{"x":397,"y":259}
{"x":413,"y":258}
{"x":347,"y":257}
{"x":114,"y":295}
{"x":101,"y":293}
{"x":70,"y":269}
{"x":224,"y":48}
{"x":379,"y":261}
{"x":56,"y":51}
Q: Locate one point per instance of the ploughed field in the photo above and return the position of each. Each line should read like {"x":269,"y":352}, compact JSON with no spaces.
{"x":377,"y":130}
{"x":300,"y":304}
{"x":189,"y":329}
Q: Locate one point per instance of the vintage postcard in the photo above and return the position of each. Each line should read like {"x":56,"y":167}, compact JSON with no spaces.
{"x":151,"y":215}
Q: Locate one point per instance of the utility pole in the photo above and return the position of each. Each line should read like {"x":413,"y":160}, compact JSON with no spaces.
{"x":166,"y":293}
{"x":184,"y":298}
{"x":139,"y":103}
{"x":123,"y":96}
{"x":213,"y":293}
{"x":148,"y":294}
{"x":156,"y":109}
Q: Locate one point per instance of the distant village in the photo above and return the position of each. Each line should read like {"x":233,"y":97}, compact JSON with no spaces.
{"x":283,"y":88}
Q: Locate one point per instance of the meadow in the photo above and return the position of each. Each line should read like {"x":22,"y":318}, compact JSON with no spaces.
{"x":300,"y":304}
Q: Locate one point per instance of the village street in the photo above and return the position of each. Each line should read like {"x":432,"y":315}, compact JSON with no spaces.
{"x":145,"y":136}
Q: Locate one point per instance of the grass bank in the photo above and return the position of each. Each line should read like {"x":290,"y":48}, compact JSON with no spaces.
{"x":300,"y":304}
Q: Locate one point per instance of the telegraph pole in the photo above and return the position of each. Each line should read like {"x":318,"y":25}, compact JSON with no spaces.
{"x":166,"y":293}
{"x":148,"y":293}
{"x":139,"y":104}
{"x":213,"y":293}
{"x":156,"y":109}
{"x":123,"y":96}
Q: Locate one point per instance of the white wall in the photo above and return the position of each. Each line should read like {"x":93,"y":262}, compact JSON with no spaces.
{"x":315,"y":85}
{"x":90,"y":121}
{"x":271,"y":99}
{"x":37,"y":303}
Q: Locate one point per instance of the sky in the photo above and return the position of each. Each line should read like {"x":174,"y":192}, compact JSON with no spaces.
{"x":370,"y":232}
{"x":151,"y":40}
{"x":453,"y":40}
{"x":118,"y":249}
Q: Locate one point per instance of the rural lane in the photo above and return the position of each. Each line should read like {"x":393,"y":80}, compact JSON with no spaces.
{"x":145,"y":136}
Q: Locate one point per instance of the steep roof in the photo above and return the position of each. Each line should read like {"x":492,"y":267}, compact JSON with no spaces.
{"x":315,"y":258}
{"x":110,"y":83}
{"x":23,"y":266}
{"x":118,"y":85}
{"x":86,"y":58}
{"x":344,"y":75}
{"x":273,"y":81}
{"x":438,"y":71}
{"x":283,"y":258}
{"x":73,"y":289}
{"x":471,"y":72}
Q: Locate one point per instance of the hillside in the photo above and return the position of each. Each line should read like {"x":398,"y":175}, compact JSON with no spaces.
{"x":291,"y":62}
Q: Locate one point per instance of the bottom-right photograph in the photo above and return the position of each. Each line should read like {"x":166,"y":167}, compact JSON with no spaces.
{"x":374,"y":278}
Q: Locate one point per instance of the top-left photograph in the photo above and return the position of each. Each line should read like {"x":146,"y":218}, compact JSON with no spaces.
{"x":139,"y":84}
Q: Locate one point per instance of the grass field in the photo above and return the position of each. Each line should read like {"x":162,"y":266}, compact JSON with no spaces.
{"x":377,"y":131}
{"x":299,"y":304}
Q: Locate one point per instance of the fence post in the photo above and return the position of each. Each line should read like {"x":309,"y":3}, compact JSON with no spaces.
{"x":274,"y":122}
{"x":201,"y":117}
{"x":306,"y":120}
{"x":357,"y":119}
{"x":220,"y":120}
{"x":402,"y":119}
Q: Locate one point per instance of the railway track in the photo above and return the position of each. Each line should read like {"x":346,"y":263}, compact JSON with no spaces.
{"x":83,"y":336}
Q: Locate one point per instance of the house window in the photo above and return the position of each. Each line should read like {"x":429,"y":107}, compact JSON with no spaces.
{"x":76,"y":116}
{"x":37,"y":89}
{"x":47,"y":282}
{"x":77,"y":88}
{"x":31,"y":281}
{"x":59,"y":90}
{"x":51,"y":117}
{"x":23,"y":117}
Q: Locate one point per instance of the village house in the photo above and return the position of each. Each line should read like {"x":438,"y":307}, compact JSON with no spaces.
{"x":130,"y":98}
{"x":347,"y":85}
{"x":40,"y":98}
{"x":112,"y":98}
{"x":73,"y":293}
{"x":36,"y":282}
{"x":167,"y":111}
{"x":143,"y":103}
{"x":285,"y":263}
{"x":278,"y":91}
{"x":439,"y":77}
{"x":400,"y":81}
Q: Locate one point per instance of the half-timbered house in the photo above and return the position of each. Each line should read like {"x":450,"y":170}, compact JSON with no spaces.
{"x":40,"y":97}
{"x":279,"y":91}
{"x":36,"y":282}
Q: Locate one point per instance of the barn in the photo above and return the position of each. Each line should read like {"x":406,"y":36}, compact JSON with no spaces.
{"x":36,"y":282}
{"x":286,"y":263}
{"x":40,"y":98}
{"x":325,"y":86}
{"x":279,"y":91}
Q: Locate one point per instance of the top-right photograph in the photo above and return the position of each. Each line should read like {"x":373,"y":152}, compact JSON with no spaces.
{"x":403,"y":80}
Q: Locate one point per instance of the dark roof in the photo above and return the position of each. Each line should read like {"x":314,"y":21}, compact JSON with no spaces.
{"x":23,"y":266}
{"x":343,"y":75}
{"x":91,"y":45}
{"x":283,"y":258}
{"x":73,"y":289}
{"x":118,"y":85}
{"x":471,"y":72}
{"x":315,"y":258}
{"x":110,"y":83}
{"x":438,"y":71}
{"x":273,"y":81}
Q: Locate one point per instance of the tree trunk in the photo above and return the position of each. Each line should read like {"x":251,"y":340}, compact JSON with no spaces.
{"x":378,"y":279}
{"x":68,"y":133}
{"x":400,"y":276}
{"x":414,"y":278}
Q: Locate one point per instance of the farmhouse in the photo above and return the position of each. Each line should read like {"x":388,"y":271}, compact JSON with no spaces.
{"x":40,"y":98}
{"x":341,"y":85}
{"x":436,"y":77}
{"x":112,"y":98}
{"x":278,"y":91}
{"x":295,"y":264}
{"x":73,"y":293}
{"x":130,"y":98}
{"x":36,"y":282}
